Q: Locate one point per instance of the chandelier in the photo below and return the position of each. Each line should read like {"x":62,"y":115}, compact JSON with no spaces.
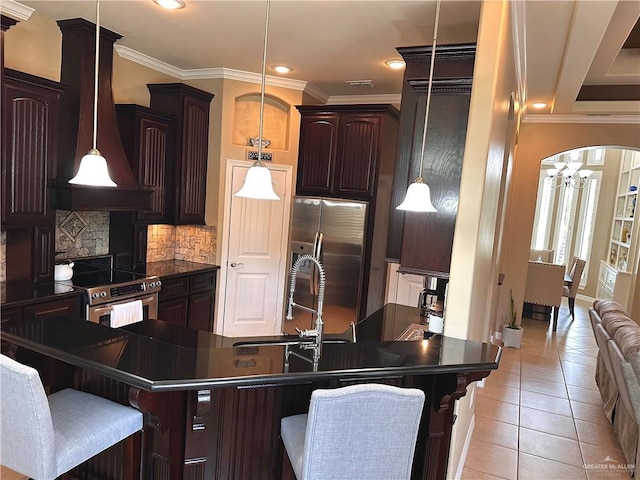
{"x":568,"y":173}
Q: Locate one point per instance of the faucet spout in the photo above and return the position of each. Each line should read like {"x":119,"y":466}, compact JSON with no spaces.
{"x":315,"y":333}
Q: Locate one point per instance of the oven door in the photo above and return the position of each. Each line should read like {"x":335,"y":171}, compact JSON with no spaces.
{"x":102,"y":313}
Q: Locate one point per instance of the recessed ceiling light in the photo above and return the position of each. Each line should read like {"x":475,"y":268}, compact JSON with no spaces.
{"x":170,"y":4}
{"x":282,"y":68}
{"x":538,"y":105}
{"x":395,"y":63}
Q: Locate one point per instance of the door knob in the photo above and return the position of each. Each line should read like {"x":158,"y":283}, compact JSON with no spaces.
{"x":234,"y":264}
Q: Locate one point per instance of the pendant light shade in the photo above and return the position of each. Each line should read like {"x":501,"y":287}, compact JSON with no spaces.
{"x":257,"y":183}
{"x":418,"y":197}
{"x":93,"y":169}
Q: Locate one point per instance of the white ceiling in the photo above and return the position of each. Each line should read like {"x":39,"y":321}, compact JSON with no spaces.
{"x":565,"y":43}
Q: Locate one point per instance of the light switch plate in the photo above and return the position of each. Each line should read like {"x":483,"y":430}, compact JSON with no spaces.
{"x":252,"y":155}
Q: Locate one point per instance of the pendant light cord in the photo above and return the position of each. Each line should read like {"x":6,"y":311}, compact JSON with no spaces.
{"x":95,"y":76}
{"x":262,"y":85}
{"x":433,"y":58}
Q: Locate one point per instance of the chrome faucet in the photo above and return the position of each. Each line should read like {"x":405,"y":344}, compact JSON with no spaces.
{"x":316,"y":333}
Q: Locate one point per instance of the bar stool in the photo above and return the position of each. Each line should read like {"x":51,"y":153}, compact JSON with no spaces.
{"x":355,"y":432}
{"x":44,"y":437}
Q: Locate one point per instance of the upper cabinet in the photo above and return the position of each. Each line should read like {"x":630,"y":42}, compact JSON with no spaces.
{"x":422,"y":242}
{"x":147,"y":138}
{"x":29,"y":136}
{"x":342,"y":149}
{"x":188,"y":175}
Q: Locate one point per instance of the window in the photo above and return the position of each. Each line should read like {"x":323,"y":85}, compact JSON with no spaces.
{"x":565,"y":214}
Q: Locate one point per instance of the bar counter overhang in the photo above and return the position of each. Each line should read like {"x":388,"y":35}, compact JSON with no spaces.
{"x":214,"y":403}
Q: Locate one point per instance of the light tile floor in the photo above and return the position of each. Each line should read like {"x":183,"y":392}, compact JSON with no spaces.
{"x":540,"y":415}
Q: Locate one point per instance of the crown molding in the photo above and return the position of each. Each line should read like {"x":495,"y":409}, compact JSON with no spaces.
{"x":316,"y":93}
{"x":15,"y":10}
{"x":609,"y":119}
{"x":218,"y":72}
{"x":359,"y":99}
{"x":519,"y":32}
{"x":147,"y":61}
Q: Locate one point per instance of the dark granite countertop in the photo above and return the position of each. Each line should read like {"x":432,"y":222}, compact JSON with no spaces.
{"x":16,"y":294}
{"x":171,"y":268}
{"x":158,"y":356}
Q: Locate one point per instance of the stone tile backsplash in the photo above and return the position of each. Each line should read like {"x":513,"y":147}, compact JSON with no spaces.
{"x":82,"y":234}
{"x":195,"y":243}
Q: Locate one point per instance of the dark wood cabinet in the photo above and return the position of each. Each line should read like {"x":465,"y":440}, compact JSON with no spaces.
{"x":30,"y":114}
{"x":422,"y":242}
{"x":29,"y":136}
{"x":190,"y":106}
{"x":10,"y":315}
{"x":341,"y":148}
{"x":42,"y":308}
{"x":189,"y":300}
{"x":53,"y":308}
{"x":147,"y":138}
{"x":173,"y":310}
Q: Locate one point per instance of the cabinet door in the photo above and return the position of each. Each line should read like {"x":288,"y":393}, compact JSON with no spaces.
{"x":191,"y":107}
{"x":174,"y":311}
{"x":193,"y":165}
{"x":201,"y":311}
{"x":153,"y":149}
{"x":29,"y":119}
{"x":317,"y":153}
{"x":66,"y":306}
{"x":44,"y":240}
{"x":357,"y":155}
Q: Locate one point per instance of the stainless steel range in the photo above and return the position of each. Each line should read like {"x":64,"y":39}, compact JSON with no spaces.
{"x":111,"y":293}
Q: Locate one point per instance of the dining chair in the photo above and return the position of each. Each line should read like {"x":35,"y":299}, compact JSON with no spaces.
{"x":355,"y":432}
{"x":571,"y":283}
{"x":544,"y":286}
{"x":44,"y":436}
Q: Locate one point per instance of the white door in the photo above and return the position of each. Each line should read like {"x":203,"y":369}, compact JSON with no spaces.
{"x":255,"y":243}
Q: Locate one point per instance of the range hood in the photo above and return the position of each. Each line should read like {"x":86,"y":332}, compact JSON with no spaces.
{"x":76,"y":125}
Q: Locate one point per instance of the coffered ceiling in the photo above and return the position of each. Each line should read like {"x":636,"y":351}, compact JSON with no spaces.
{"x":570,"y":51}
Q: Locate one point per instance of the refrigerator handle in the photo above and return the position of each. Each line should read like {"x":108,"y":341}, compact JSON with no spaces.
{"x":313,"y":276}
{"x":318,"y":252}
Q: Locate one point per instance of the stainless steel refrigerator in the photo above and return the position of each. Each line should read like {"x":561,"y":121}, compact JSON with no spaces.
{"x":334,"y":231}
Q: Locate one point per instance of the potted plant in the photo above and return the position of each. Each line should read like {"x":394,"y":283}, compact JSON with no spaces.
{"x":512,"y":332}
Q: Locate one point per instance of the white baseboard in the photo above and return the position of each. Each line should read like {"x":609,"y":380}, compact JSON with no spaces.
{"x":465,"y":448}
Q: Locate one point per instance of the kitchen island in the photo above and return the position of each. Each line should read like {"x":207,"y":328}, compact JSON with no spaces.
{"x":213,"y":404}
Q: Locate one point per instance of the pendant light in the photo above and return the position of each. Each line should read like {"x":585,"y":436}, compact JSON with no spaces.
{"x":257,"y":183}
{"x":418,"y":198}
{"x":93,"y":166}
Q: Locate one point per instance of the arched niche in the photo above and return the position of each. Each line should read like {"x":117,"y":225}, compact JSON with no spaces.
{"x":246,"y":120}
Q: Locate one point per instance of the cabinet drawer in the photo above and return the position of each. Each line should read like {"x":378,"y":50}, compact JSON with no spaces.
{"x":203,"y":281}
{"x":174,"y":287}
{"x":69,"y":306}
{"x":11,"y":315}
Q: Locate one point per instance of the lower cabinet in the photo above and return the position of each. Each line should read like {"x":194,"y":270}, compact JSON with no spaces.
{"x":69,"y":306}
{"x":189,"y":300}
{"x":613,"y":284}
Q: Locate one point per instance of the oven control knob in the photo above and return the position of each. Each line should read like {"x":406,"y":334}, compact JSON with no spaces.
{"x":103,"y":294}
{"x":95,"y":295}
